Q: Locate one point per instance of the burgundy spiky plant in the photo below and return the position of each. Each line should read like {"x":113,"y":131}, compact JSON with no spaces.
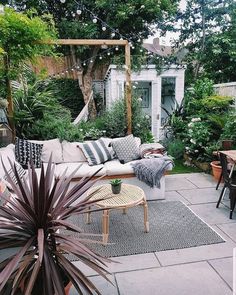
{"x":34,"y":221}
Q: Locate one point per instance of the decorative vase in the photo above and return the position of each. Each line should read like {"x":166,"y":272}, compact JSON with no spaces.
{"x":116,"y":188}
{"x":216,"y":170}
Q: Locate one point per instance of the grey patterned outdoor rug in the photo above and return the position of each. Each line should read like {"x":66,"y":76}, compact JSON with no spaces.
{"x":172,"y":226}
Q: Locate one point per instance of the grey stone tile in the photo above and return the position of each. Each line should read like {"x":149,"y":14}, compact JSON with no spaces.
{"x":201,"y":253}
{"x":201,"y":180}
{"x":224,"y":267}
{"x":125,"y":263}
{"x":229,"y":229}
{"x":212,"y":215}
{"x":199,"y":196}
{"x":175,"y":196}
{"x":102,"y":285}
{"x":195,"y":279}
{"x":178,"y":182}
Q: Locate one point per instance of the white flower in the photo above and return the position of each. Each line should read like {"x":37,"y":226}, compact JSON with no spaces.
{"x":192,"y":141}
{"x":81,"y":130}
{"x":190,"y":124}
{"x":138,"y":125}
{"x":147,"y":116}
{"x":196,"y":151}
{"x":140,"y":99}
{"x":187,"y":148}
{"x":196,"y":120}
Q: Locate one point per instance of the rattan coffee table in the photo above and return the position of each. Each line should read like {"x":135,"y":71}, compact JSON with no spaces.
{"x":130,"y":196}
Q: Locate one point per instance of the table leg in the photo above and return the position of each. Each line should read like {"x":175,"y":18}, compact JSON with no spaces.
{"x":146,"y":223}
{"x":88,"y":217}
{"x":105,"y":226}
{"x":125,"y":210}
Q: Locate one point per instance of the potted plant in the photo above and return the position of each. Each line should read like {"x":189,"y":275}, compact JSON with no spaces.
{"x":35,"y":223}
{"x":216,"y":169}
{"x":116,"y":186}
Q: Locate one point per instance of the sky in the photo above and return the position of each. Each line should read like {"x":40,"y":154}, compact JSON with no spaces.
{"x":169,"y":36}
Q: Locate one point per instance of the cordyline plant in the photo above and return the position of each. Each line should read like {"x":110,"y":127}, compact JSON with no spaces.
{"x":35,"y":222}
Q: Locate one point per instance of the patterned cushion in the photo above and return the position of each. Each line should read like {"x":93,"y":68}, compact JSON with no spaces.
{"x":98,"y":151}
{"x":126,"y":149}
{"x":26,"y":151}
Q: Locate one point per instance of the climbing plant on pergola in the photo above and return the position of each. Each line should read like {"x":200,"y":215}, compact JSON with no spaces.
{"x":107,"y":42}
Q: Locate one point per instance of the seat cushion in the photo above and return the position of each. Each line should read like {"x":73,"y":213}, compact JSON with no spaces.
{"x":97,"y":151}
{"x":114,"y":167}
{"x":71,"y":153}
{"x":84,"y":170}
{"x":52,"y":146}
{"x":26,"y":151}
{"x":126,"y":149}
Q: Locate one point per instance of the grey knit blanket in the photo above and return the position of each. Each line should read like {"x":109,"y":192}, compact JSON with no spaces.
{"x":150,"y":171}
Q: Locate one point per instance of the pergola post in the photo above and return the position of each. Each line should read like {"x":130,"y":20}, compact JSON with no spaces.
{"x":128,"y":87}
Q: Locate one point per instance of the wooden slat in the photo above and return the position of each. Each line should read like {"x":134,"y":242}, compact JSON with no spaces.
{"x":128,"y":89}
{"x":92,"y":42}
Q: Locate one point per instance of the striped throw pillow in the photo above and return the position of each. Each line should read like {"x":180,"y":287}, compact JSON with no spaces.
{"x":98,"y":151}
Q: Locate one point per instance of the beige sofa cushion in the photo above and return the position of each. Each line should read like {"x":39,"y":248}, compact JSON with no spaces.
{"x":84,"y":170}
{"x":52,"y":146}
{"x":5,"y":153}
{"x":71,"y":153}
{"x":114,"y":167}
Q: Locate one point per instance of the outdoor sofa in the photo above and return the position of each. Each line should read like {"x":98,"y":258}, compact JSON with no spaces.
{"x":67,"y":155}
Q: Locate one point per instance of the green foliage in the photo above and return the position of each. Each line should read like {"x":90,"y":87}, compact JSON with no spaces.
{"x":67,"y":93}
{"x":204,"y":121}
{"x":22,"y":36}
{"x":228,"y":132}
{"x":112,"y":123}
{"x":176,"y":149}
{"x":116,"y":182}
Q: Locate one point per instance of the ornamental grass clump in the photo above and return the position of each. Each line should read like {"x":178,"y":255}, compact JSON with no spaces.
{"x":35,"y":222}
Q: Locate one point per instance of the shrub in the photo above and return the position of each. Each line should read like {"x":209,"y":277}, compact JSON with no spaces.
{"x":176,"y":148}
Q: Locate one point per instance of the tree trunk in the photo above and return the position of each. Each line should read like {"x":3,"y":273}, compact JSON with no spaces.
{"x":86,"y":81}
{"x":203,"y":38}
{"x":9,"y":96}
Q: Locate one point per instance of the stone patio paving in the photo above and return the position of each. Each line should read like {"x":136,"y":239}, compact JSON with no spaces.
{"x":204,"y":270}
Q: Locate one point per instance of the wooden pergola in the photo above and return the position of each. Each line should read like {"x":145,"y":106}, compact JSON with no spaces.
{"x":99,"y":42}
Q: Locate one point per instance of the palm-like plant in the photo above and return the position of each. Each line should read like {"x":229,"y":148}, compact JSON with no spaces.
{"x":35,"y":221}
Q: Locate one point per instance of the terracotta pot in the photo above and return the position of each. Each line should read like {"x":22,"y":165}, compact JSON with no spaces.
{"x":67,"y":288}
{"x":216,"y":170}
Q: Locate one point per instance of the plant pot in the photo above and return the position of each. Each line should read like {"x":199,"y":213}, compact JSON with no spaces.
{"x":227,"y":144}
{"x":67,"y":288}
{"x":216,"y":170}
{"x":116,"y":189}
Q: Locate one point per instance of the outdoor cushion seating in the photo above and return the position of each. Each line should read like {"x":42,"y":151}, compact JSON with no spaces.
{"x":68,"y":156}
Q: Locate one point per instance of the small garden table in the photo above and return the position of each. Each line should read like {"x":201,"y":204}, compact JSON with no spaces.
{"x":130,"y":196}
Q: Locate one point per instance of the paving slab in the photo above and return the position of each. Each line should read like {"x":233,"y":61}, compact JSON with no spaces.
{"x":229,"y":229}
{"x":178,"y":182}
{"x":201,"y":180}
{"x":212,"y":215}
{"x":174,"y":196}
{"x":224,"y":267}
{"x":102,"y":285}
{"x":201,"y":195}
{"x":125,"y":263}
{"x":195,"y":279}
{"x":193,"y":254}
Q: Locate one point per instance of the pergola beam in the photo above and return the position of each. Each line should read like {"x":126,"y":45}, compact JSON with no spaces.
{"x":91,"y":42}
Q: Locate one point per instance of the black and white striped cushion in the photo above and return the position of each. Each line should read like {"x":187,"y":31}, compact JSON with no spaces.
{"x":97,"y":152}
{"x":26,"y":151}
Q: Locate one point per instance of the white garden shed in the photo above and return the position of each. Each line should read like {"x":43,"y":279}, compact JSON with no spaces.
{"x":155,"y":90}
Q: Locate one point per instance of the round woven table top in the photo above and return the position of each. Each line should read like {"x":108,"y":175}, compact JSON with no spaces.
{"x":129,"y":196}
